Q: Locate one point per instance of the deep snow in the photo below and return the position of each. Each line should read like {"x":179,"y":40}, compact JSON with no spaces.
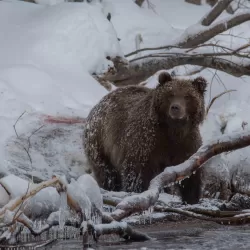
{"x":47,"y":55}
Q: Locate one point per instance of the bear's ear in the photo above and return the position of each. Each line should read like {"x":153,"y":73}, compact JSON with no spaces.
{"x":200,"y":84}
{"x":163,"y":78}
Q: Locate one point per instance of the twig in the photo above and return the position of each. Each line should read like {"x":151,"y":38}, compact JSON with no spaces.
{"x":151,"y":6}
{"x":214,"y":45}
{"x":14,"y":126}
{"x":199,"y":55}
{"x":243,"y":47}
{"x":27,"y":152}
{"x":193,"y":71}
{"x":211,"y":84}
{"x":216,"y":97}
{"x":167,"y":47}
{"x":29,"y":143}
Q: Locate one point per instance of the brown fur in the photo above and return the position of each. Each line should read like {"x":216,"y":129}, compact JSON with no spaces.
{"x":134,"y":132}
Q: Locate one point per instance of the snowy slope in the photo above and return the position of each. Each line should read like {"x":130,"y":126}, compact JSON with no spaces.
{"x":46,"y":57}
{"x":47,"y":54}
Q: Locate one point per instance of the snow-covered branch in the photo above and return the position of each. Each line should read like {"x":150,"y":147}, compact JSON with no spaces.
{"x":145,"y":200}
{"x":139,"y":72}
{"x":14,"y":204}
{"x":234,"y":61}
{"x":216,"y":97}
{"x":190,"y":38}
{"x":218,"y":8}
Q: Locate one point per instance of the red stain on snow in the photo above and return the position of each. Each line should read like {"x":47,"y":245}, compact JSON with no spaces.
{"x":64,"y":120}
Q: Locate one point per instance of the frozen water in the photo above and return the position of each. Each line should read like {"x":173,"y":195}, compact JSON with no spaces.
{"x":79,"y":196}
{"x":63,"y":209}
{"x":92,"y":190}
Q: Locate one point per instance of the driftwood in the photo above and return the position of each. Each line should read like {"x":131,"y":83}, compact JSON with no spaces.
{"x":237,"y":218}
{"x":121,"y":228}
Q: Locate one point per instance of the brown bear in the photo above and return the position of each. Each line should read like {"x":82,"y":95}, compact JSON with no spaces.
{"x":134,"y":132}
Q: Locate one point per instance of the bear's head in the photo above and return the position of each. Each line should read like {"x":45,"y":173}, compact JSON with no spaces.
{"x":180,"y":101}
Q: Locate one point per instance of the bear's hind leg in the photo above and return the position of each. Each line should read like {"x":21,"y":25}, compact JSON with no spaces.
{"x":190,"y":188}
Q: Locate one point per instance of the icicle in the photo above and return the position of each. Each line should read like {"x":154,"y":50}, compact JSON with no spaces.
{"x":62,"y":209}
{"x":150,"y":212}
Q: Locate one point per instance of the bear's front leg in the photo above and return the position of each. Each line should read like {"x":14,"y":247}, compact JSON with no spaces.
{"x":132,"y":178}
{"x":190,"y":188}
{"x":136,"y":177}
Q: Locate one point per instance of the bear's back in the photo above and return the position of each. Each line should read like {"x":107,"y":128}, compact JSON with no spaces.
{"x":109,"y":116}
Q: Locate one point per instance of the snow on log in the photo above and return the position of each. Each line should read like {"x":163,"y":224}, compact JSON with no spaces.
{"x":217,"y":9}
{"x":145,"y":200}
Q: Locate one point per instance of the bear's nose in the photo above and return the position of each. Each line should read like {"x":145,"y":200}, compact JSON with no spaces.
{"x":175,"y":107}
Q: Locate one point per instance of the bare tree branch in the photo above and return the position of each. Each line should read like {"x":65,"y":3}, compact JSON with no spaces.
{"x":189,"y":41}
{"x":26,"y":149}
{"x":167,"y":47}
{"x":218,"y":8}
{"x":138,"y":69}
{"x":201,"y":36}
{"x":14,"y":126}
{"x":143,"y":201}
{"x":214,"y":45}
{"x":216,"y":97}
{"x":203,"y":55}
{"x":139,"y":73}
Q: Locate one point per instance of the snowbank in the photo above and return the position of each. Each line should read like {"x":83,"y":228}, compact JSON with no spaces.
{"x":47,"y":54}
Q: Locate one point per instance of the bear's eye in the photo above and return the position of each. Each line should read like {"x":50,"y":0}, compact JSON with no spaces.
{"x":186,"y":97}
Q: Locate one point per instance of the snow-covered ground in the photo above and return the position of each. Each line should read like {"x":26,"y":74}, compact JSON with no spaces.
{"x":47,"y":55}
